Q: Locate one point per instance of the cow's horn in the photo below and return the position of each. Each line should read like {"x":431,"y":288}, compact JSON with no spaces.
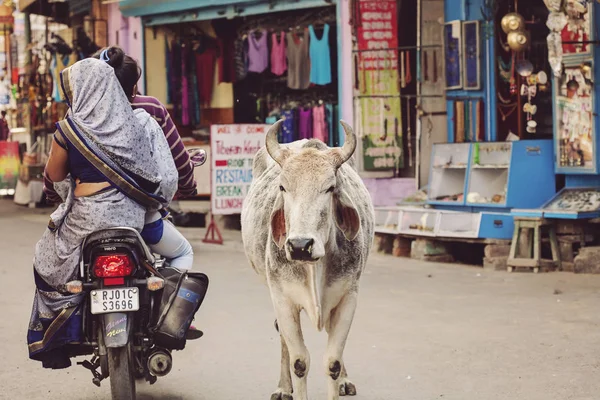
{"x":273,"y":146}
{"x":349,"y":146}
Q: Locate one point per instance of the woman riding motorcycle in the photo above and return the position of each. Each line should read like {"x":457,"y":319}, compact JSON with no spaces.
{"x":162,"y":236}
{"x":120,"y":167}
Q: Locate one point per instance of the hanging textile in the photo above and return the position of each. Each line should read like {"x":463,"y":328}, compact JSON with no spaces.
{"x":185,"y":116}
{"x":258,"y":52}
{"x":240,"y":58}
{"x":278,"y":59}
{"x":298,"y":61}
{"x":330,"y":123}
{"x":319,"y":123}
{"x":226,"y":43}
{"x":320,"y":58}
{"x":305,"y":124}
{"x":206,"y":57}
{"x":287,"y":127}
{"x":193,"y":98}
{"x":176,"y":79}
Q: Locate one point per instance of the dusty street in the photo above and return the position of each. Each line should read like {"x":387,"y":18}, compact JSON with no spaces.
{"x":422,"y":332}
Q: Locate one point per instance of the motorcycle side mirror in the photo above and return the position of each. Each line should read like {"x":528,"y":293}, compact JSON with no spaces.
{"x":197,"y":156}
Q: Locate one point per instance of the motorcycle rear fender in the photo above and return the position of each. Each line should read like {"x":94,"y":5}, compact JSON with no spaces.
{"x":117,"y":327}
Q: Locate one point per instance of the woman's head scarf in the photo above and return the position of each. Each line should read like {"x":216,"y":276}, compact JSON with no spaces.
{"x":101,"y":112}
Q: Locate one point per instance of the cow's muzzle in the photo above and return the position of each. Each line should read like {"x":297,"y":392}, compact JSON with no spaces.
{"x":301,"y":249}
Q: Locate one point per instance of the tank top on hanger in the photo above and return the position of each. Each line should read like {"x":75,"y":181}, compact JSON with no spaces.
{"x":320,"y":59}
{"x":305,"y":124}
{"x":278,"y":60}
{"x":258,"y":52}
{"x":298,"y":61}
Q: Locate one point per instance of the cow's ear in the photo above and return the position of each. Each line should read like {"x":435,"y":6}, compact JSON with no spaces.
{"x":278,"y":231}
{"x":346,"y":216}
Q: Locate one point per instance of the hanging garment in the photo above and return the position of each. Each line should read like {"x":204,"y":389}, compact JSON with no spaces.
{"x":176,"y":80}
{"x":336,"y":126}
{"x":185,"y":100}
{"x":193,"y":90}
{"x":287,"y":127}
{"x":278,"y":60}
{"x":320,"y":59}
{"x":305,"y":124}
{"x":258,"y":52}
{"x":55,"y":74}
{"x":298,"y":61}
{"x":240,"y":61}
{"x":330,"y":122}
{"x":60,"y":62}
{"x":226,"y":38}
{"x":193,"y":105}
{"x":205,"y":72}
{"x":319,"y":124}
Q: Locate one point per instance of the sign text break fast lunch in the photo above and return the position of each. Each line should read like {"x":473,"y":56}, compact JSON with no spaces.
{"x":232,"y":150}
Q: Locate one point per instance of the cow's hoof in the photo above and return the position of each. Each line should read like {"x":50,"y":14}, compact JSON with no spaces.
{"x":281,"y":395}
{"x":347,"y":388}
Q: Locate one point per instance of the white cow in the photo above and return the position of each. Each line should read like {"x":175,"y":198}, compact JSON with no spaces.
{"x":307,"y":227}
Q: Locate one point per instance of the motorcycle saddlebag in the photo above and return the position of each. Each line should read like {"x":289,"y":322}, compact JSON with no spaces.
{"x":181,"y":298}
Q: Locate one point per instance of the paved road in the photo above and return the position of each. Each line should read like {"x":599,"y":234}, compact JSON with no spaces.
{"x":422,"y":332}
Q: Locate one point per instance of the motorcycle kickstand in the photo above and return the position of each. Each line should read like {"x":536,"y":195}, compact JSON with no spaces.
{"x":93,"y":365}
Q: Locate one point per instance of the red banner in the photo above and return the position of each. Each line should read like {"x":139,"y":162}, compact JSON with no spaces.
{"x":378,"y":30}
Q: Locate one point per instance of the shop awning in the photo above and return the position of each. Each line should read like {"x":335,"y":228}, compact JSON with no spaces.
{"x":161,"y":12}
{"x":57,"y":10}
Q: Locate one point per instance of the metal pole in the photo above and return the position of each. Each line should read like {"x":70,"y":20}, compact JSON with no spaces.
{"x":27,"y":24}
{"x":418,"y":125}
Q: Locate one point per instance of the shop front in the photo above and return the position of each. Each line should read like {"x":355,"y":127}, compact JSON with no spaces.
{"x":41,"y":45}
{"x":503,"y":92}
{"x":573,"y":56}
{"x":244,"y":63}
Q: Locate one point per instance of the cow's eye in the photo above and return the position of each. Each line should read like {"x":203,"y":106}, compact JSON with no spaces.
{"x":331,"y":189}
{"x":281,"y":188}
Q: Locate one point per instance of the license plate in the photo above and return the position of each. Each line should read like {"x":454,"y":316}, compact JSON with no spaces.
{"x":114,"y":300}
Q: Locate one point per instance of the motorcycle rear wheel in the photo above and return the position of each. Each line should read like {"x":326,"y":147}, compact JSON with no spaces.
{"x":121,"y":372}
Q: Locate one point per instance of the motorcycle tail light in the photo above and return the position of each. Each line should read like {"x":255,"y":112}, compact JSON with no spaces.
{"x":113,"y":266}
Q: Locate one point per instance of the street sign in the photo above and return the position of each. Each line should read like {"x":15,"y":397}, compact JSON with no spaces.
{"x":232,"y":150}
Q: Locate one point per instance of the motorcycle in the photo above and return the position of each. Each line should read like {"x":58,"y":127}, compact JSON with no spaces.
{"x":137,"y":309}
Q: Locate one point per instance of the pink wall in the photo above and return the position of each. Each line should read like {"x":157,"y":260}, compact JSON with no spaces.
{"x":126,"y":33}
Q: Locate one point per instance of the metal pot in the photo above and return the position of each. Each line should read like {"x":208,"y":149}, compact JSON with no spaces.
{"x":518,"y":40}
{"x":512,"y":22}
{"x":524,"y":68}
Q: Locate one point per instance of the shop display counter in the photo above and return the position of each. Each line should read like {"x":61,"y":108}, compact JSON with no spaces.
{"x":419,"y":221}
{"x":449,"y":165}
{"x":569,"y":203}
{"x":429,"y":222}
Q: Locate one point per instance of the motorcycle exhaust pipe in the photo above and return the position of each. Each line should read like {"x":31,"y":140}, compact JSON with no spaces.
{"x":160,"y":363}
